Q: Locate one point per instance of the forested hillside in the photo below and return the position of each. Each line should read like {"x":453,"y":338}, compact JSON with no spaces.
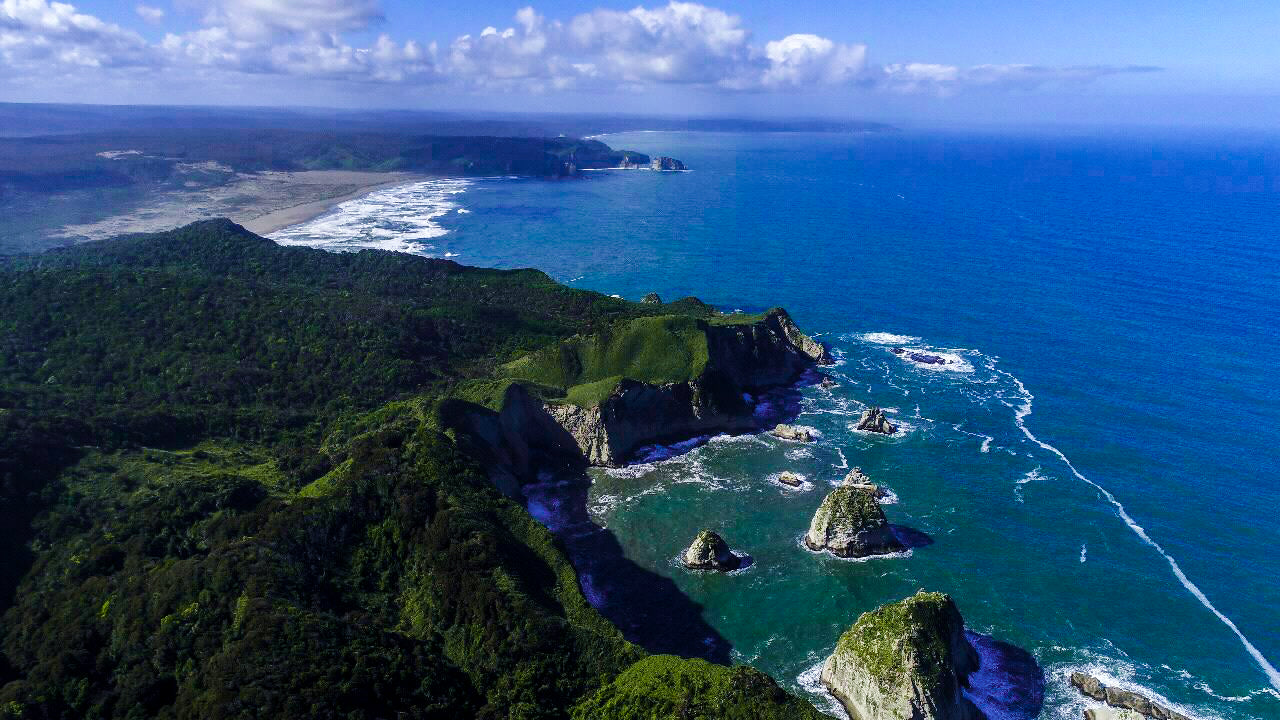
{"x":227,"y":492}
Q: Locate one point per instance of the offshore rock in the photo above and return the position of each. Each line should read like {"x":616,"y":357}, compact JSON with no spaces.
{"x":709,"y":551}
{"x":652,"y":299}
{"x":1126,"y":703}
{"x":858,"y":480}
{"x":874,"y":420}
{"x":666,"y":163}
{"x":907,"y":660}
{"x":1108,"y":713}
{"x":850,"y":524}
{"x":792,"y":432}
{"x":790,"y":479}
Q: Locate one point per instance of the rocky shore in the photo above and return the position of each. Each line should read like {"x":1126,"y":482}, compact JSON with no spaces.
{"x":1122,"y":703}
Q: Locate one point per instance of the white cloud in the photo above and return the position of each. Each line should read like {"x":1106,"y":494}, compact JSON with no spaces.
{"x":37,"y":35}
{"x":261,"y":19}
{"x":153,"y":15}
{"x":950,"y":79}
{"x":678,"y":44}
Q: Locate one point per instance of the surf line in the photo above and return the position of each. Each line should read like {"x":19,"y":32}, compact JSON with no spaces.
{"x":1021,"y":413}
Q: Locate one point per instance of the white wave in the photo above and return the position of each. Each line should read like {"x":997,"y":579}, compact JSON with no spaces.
{"x":952,"y":361}
{"x":1020,"y":414}
{"x":884,"y":338}
{"x":1031,"y":476}
{"x":844,"y":461}
{"x":882,"y":556}
{"x":1084,"y":552}
{"x":401,"y":218}
{"x":463,"y":211}
{"x":811,"y":682}
{"x":801,"y":453}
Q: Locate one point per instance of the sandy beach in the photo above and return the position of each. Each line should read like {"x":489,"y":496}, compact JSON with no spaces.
{"x":262,"y":202}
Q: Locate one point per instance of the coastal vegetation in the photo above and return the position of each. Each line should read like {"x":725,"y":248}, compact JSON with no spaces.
{"x":231,"y":488}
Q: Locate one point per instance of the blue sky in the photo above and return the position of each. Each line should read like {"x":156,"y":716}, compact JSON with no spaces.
{"x":924,"y":62}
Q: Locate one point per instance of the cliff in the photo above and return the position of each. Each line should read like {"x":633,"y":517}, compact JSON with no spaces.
{"x":665,"y":378}
{"x":907,"y":660}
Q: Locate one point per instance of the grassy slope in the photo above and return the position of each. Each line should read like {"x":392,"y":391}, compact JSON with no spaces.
{"x":224,"y":492}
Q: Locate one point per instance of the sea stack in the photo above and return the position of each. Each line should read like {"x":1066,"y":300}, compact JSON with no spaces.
{"x":907,"y":660}
{"x":709,"y":551}
{"x":874,"y":420}
{"x":859,"y":480}
{"x":665,"y":163}
{"x":850,"y":524}
{"x":652,"y":299}
{"x":792,"y":432}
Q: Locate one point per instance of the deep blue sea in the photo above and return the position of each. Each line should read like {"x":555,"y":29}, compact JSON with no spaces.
{"x":1096,"y":471}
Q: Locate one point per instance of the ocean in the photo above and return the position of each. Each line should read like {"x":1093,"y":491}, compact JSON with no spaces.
{"x":1093,"y":475}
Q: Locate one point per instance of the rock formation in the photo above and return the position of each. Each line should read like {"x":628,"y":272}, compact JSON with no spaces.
{"x":858,"y":480}
{"x":907,"y":660}
{"x":1124,"y":701}
{"x":792,"y":432}
{"x":850,"y":523}
{"x":874,"y":420}
{"x":666,"y":163}
{"x":790,"y":479}
{"x":709,"y":551}
{"x":828,"y":383}
{"x":652,"y":299}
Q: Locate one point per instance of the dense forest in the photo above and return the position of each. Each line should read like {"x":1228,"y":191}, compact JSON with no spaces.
{"x":226,"y":490}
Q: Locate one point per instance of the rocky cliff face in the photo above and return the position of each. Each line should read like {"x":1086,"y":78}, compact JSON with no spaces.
{"x":740,"y":359}
{"x":850,"y":523}
{"x":907,"y":660}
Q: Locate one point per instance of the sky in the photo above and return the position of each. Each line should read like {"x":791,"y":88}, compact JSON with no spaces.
{"x":922,"y":62}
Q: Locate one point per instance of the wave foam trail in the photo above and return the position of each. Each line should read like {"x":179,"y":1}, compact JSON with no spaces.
{"x":400,"y":218}
{"x":1021,"y":413}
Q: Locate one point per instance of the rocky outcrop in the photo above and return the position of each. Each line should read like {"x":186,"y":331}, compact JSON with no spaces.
{"x":816,"y":351}
{"x":790,"y":479}
{"x":1109,"y":713}
{"x":652,"y":299}
{"x":741,"y":359}
{"x":633,"y":162}
{"x":666,"y":164}
{"x":850,"y":523}
{"x":874,"y":420}
{"x":709,"y":551}
{"x":608,"y":424}
{"x":908,"y":660}
{"x":792,"y":432}
{"x":858,"y":480}
{"x":1124,"y":701}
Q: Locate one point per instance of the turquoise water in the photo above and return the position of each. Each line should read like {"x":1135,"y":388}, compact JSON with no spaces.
{"x":1094,"y":477}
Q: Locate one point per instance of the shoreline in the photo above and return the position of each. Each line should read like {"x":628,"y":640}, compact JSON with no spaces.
{"x":281,"y":218}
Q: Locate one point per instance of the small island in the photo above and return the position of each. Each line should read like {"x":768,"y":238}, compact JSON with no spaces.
{"x":907,"y":660}
{"x":850,"y":524}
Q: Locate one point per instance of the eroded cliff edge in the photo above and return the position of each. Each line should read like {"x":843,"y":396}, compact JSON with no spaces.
{"x":597,"y":399}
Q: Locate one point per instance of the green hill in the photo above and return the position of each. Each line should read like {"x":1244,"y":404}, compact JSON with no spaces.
{"x":226,"y":491}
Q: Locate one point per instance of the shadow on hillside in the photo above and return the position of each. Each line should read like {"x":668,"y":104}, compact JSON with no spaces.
{"x":648,"y":608}
{"x":1009,"y":682}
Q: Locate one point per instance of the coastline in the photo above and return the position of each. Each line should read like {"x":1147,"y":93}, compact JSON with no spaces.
{"x":280,"y":218}
{"x":263,"y":202}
